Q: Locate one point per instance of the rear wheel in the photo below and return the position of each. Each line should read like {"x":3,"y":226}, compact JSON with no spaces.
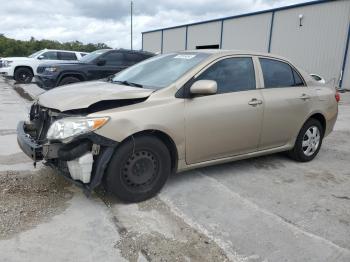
{"x":138,"y":169}
{"x":308,"y":142}
{"x":69,"y":80}
{"x":23,"y":75}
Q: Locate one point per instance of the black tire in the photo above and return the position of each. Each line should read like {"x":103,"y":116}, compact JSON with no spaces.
{"x":69,"y":80}
{"x":298,"y":152}
{"x":138,"y":169}
{"x":23,"y":75}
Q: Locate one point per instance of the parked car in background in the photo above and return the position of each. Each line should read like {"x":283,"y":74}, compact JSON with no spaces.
{"x":97,"y":65}
{"x":318,"y":78}
{"x":22,"y":69}
{"x":175,"y":112}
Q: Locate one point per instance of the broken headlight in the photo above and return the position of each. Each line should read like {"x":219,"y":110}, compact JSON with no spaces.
{"x":70,"y":127}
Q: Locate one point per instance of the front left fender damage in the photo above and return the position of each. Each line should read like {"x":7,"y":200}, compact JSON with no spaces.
{"x":82,"y":160}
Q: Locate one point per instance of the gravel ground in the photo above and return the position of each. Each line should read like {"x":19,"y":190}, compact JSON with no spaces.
{"x":161,"y":236}
{"x":30,"y":198}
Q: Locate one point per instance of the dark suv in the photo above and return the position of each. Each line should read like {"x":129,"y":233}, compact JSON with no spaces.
{"x":96,"y":65}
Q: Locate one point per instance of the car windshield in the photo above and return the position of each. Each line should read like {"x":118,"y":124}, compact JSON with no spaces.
{"x":35,"y":54}
{"x":92,"y":56}
{"x":159,"y":71}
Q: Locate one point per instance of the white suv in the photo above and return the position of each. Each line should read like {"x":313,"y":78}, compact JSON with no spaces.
{"x":22,"y":69}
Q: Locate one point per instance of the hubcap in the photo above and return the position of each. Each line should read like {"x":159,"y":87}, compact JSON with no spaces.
{"x":311,"y":141}
{"x":24,"y":77}
{"x":140,"y":170}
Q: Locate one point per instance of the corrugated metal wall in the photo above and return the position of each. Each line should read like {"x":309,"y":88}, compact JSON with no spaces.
{"x":247,"y":33}
{"x":319,"y":44}
{"x":203,"y":34}
{"x":152,"y":42}
{"x":346,"y":74}
{"x":174,"y":39}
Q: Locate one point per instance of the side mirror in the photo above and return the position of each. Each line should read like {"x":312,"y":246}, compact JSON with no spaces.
{"x":41,"y":57}
{"x":101,"y":62}
{"x":204,"y":87}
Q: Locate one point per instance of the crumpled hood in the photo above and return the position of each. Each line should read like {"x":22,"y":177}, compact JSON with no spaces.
{"x":82,"y":95}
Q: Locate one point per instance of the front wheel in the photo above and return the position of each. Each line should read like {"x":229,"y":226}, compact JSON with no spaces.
{"x":308,"y":142}
{"x":138,"y":169}
{"x":23,"y":75}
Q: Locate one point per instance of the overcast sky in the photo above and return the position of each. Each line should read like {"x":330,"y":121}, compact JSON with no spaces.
{"x":108,"y":21}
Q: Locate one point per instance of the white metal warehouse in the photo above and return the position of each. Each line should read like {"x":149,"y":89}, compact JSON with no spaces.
{"x":314,"y":35}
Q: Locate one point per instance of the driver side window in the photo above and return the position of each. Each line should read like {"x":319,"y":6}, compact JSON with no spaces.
{"x":231,"y":74}
{"x":50,"y":55}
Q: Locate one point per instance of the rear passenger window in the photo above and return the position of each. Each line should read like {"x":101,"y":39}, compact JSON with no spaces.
{"x":66,"y":56}
{"x":133,"y":58}
{"x":114,"y":58}
{"x":231,"y":74}
{"x":297,"y":79}
{"x":279,"y":74}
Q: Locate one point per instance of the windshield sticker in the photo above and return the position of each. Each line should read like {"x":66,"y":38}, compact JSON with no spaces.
{"x":184,"y":56}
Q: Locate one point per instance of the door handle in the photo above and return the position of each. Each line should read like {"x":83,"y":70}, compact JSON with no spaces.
{"x":255,"y":102}
{"x":304,"y":97}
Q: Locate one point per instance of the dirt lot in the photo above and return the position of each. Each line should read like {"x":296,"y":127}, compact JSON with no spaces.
{"x":263,"y":209}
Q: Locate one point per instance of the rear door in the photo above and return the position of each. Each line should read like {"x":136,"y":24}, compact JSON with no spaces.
{"x":287,"y":101}
{"x":229,"y":122}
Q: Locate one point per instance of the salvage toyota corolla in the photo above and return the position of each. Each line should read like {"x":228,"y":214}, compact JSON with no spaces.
{"x":175,"y":112}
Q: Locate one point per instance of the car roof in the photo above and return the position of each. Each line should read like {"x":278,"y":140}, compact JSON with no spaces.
{"x":59,"y":50}
{"x":223,"y":52}
{"x":131,"y":51}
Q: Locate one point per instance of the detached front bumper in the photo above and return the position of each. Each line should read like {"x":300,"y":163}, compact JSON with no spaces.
{"x":82,"y":161}
{"x":28,"y":145}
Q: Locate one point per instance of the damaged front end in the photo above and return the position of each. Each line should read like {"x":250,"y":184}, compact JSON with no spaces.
{"x":81,"y":157}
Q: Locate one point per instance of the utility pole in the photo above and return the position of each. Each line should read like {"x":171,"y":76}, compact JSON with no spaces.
{"x":131,"y":7}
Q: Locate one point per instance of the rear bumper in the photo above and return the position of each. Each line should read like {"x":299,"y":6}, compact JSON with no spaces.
{"x":331,"y":122}
{"x":45,"y":82}
{"x":66,"y":158}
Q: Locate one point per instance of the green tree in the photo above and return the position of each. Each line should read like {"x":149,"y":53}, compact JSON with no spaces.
{"x":12,"y":47}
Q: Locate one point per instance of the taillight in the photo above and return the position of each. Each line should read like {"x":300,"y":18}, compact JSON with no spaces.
{"x":337,"y":96}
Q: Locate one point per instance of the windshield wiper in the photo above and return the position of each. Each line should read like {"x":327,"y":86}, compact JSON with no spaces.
{"x":127,"y":83}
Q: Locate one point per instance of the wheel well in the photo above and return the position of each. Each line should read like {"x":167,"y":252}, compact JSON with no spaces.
{"x":321,"y":119}
{"x":28,"y":67}
{"x":80,"y":77}
{"x":167,"y":140}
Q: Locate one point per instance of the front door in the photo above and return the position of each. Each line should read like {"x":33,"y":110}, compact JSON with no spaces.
{"x":229,"y":122}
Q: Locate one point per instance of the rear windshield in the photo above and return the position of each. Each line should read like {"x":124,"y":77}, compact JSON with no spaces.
{"x":160,"y":71}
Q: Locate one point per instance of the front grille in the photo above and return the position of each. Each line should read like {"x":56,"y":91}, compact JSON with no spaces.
{"x":42,"y":120}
